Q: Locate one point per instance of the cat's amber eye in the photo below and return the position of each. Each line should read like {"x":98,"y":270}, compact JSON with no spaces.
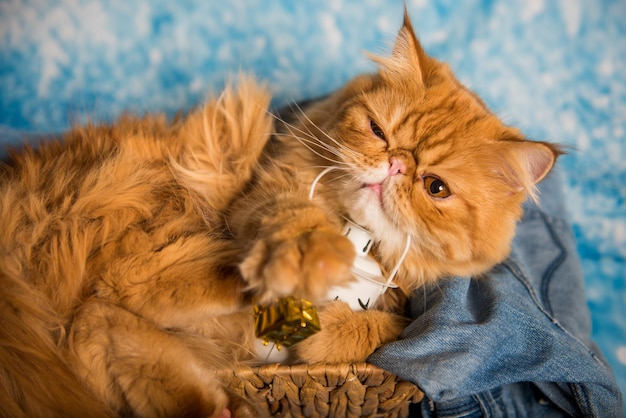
{"x":377,"y":130}
{"x":436,"y":187}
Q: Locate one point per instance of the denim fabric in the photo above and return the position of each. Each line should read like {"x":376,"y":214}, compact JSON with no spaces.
{"x":519,"y":400}
{"x":476,"y":344}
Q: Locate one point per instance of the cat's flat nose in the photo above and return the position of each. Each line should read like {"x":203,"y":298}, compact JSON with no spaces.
{"x":396,"y":166}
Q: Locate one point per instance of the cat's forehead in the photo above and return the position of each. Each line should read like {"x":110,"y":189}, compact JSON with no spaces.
{"x":441,"y":115}
{"x":397,"y":100}
{"x":443,"y":120}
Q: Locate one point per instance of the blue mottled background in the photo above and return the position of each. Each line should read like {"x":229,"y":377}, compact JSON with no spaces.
{"x":555,"y":68}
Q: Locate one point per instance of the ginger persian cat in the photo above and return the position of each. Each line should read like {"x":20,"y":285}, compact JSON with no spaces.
{"x":130,"y":253}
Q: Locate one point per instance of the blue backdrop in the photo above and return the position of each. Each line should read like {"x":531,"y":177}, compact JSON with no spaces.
{"x":556,"y":69}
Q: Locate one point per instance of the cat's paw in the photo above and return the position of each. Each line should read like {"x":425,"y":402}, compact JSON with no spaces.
{"x":348,"y":336}
{"x":306,"y":265}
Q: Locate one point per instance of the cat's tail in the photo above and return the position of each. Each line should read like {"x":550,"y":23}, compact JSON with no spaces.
{"x":35,"y":379}
{"x":224,"y":141}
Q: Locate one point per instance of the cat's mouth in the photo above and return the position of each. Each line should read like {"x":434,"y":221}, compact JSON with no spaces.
{"x":376,"y":189}
{"x":370,"y":208}
{"x":373,"y":194}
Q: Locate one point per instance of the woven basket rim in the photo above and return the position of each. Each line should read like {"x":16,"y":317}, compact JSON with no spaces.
{"x":322,"y":389}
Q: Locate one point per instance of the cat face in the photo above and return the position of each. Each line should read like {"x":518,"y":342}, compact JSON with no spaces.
{"x":424,"y":156}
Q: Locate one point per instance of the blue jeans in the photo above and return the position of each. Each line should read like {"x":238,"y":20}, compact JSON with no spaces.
{"x":515,"y":342}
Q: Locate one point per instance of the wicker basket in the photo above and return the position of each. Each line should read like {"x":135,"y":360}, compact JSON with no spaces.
{"x":324,"y":390}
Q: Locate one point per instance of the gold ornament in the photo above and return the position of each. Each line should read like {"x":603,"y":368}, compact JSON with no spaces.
{"x":286,"y":322}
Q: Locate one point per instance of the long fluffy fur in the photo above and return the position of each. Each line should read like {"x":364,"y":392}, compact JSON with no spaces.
{"x":130,"y":253}
{"x":122,"y":202}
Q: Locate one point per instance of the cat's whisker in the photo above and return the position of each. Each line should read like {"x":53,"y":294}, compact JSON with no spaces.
{"x":313,"y":141}
{"x":339,"y":177}
{"x":319,"y":154}
{"x":306,"y":133}
{"x":326,"y":147}
{"x":345,"y":151}
{"x":309,"y":142}
{"x":341,"y":146}
{"x":310,"y":145}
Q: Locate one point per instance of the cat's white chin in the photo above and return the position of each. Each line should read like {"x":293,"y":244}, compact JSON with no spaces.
{"x":365,"y":207}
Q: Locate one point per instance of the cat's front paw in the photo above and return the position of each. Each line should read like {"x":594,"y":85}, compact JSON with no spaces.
{"x":306,"y":265}
{"x":348,"y":336}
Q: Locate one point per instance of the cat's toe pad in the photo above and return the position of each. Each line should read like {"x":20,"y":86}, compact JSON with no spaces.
{"x":307,"y":265}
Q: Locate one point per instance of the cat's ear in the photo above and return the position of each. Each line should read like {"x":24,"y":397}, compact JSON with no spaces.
{"x":408,"y":58}
{"x":524,"y":163}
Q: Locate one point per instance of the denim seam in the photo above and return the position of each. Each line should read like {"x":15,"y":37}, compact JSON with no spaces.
{"x":556,"y":263}
{"x":551,"y":223}
{"x":482,"y":405}
{"x":582,"y":399}
{"x":487,"y":403}
{"x":519,"y":274}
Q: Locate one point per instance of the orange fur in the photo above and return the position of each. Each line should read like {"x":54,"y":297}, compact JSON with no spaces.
{"x":129,"y":253}
{"x":119,"y":285}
